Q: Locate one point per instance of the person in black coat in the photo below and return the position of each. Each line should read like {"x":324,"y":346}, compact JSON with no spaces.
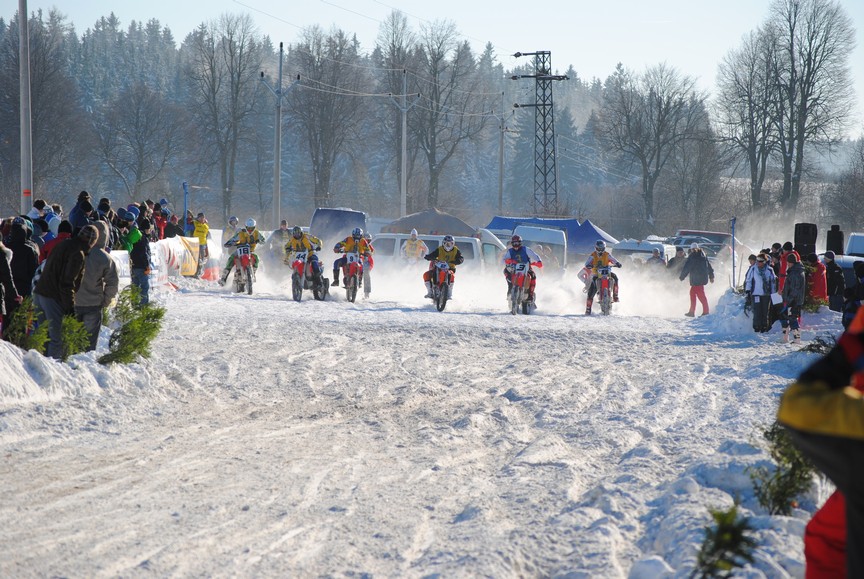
{"x":701,"y":273}
{"x":25,"y":260}
{"x":836,"y":282}
{"x":8,"y":291}
{"x":54,"y":293}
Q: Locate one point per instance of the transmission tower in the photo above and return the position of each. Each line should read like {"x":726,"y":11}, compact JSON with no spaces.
{"x":545,"y":174}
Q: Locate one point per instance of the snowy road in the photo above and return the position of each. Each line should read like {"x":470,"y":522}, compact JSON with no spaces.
{"x":271,"y":438}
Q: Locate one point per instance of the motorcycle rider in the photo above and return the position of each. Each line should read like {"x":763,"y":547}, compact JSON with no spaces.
{"x":351,"y":244}
{"x":250,"y":235}
{"x":413,"y":248}
{"x":447,"y":252}
{"x":600,"y":258}
{"x":278,"y":239}
{"x":301,"y":241}
{"x":230,"y":229}
{"x":518,"y":253}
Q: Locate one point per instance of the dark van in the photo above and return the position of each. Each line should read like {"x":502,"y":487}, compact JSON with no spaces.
{"x":333,"y":224}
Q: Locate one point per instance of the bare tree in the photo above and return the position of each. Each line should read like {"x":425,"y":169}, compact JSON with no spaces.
{"x":844,"y":202}
{"x":328,"y":102}
{"x":647,"y":118}
{"x":451,"y":110}
{"x":694,"y":177}
{"x":223,"y":66}
{"x":814,"y":39}
{"x":139,"y":135}
{"x":745,"y":103}
{"x":60,"y":134}
{"x":394,"y":52}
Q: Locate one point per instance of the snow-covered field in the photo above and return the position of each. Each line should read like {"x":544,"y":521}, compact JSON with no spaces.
{"x":267,"y":437}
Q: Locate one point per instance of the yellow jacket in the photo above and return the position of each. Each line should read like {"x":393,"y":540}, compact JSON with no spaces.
{"x":202,"y":232}
{"x":349,"y":245}
{"x":307,"y":243}
{"x":253,"y":239}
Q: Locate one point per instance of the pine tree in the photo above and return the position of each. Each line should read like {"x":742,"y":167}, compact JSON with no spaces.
{"x":138,"y":325}
{"x":727,"y":546}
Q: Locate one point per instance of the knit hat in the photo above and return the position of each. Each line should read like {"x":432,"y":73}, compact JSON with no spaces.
{"x":792,"y":258}
{"x":88,"y":234}
{"x":65,"y":227}
{"x":86,"y":206}
{"x":813,"y":258}
{"x":694,"y":245}
{"x":788,"y":246}
{"x":144,"y":225}
{"x":104,"y":206}
{"x":829,"y":255}
{"x":83,"y":195}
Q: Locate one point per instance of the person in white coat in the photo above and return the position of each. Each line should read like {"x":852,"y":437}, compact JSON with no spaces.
{"x":759,"y":284}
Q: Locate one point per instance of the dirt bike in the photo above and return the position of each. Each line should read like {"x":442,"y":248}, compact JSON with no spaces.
{"x":442,"y":284}
{"x":352,"y":273}
{"x":244,"y":275}
{"x":305,"y":278}
{"x":604,"y":289}
{"x":520,"y":287}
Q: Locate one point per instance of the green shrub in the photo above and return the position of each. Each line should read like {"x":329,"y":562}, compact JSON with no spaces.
{"x":73,"y":336}
{"x":23,"y":330}
{"x":777,"y":489}
{"x":727,"y":545}
{"x":137,"y":327}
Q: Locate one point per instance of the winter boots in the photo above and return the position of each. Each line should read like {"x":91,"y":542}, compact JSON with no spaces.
{"x":224,"y":277}
{"x":428,"y":289}
{"x":335,"y":278}
{"x":588,"y":305}
{"x":796,"y":336}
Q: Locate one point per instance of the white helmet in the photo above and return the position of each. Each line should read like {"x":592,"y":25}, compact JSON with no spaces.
{"x":250,"y":223}
{"x":413,"y":234}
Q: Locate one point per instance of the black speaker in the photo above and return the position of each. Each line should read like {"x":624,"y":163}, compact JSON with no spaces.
{"x":835,"y":240}
{"x":805,"y":239}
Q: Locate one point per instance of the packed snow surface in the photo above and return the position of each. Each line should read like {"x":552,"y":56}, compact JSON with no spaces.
{"x":382,"y":438}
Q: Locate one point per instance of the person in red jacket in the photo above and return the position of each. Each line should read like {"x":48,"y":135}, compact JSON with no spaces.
{"x":787,"y":249}
{"x":817,"y":280}
{"x":64,"y":231}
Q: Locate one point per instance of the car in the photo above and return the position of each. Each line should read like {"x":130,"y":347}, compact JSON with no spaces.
{"x":481,"y":252}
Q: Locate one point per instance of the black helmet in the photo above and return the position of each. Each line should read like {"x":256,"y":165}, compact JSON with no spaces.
{"x":297,"y":233}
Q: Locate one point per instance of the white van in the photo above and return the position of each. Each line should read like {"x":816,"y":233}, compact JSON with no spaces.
{"x":554,"y":239}
{"x":481,"y":253}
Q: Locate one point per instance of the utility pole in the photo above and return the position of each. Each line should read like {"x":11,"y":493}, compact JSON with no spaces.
{"x":25,"y":120}
{"x":501,"y":130}
{"x":403,"y":178}
{"x":277,"y":141}
{"x":545,"y":186}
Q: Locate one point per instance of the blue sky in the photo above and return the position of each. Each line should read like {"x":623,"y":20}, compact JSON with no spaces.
{"x":693,"y":36}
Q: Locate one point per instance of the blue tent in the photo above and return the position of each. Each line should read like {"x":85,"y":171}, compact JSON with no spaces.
{"x":580,"y":236}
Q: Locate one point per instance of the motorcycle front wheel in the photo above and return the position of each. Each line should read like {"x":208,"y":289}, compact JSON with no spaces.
{"x":443,"y":293}
{"x":296,"y":287}
{"x":351,"y":288}
{"x":249,"y":280}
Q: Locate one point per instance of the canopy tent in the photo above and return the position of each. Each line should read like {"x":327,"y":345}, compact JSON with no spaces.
{"x":580,"y":236}
{"x":430,"y":222}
